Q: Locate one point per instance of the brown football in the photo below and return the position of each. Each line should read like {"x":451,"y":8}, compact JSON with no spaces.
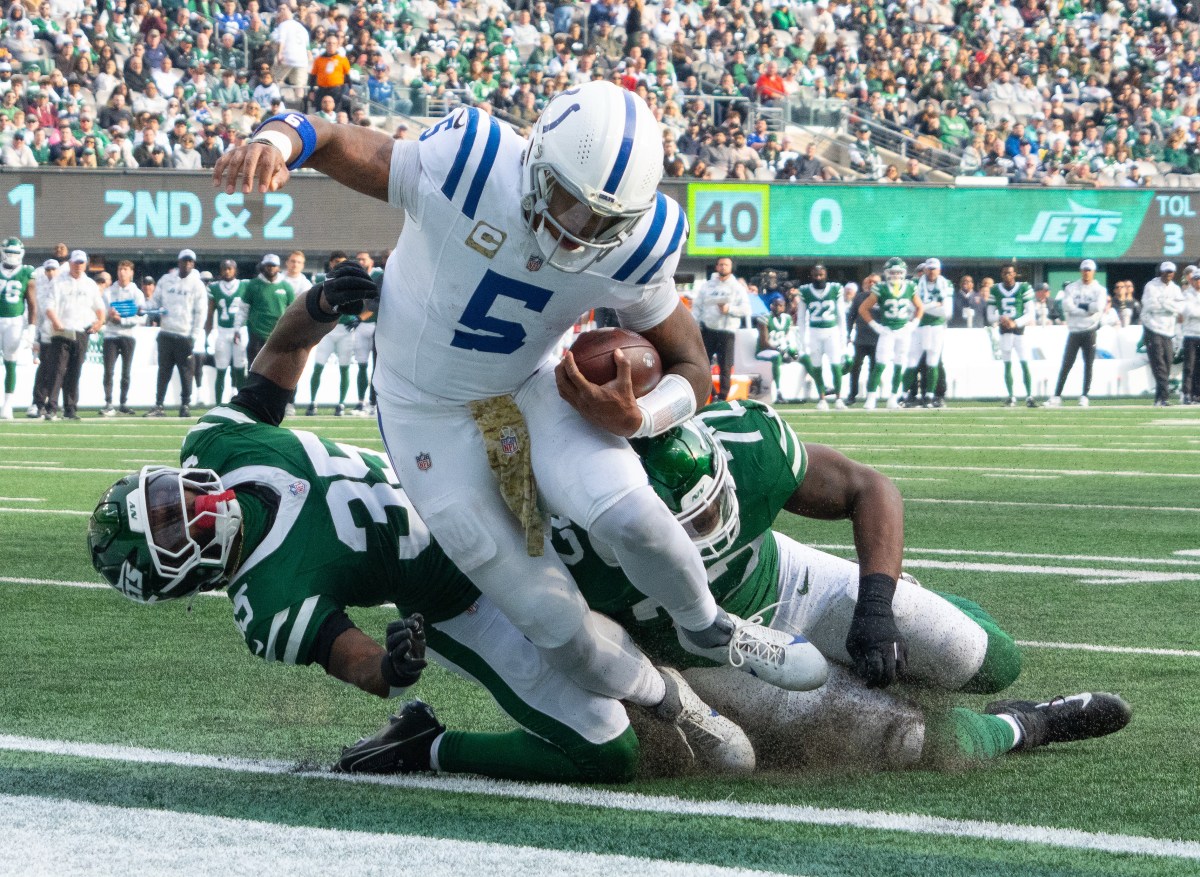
{"x":593,"y":353}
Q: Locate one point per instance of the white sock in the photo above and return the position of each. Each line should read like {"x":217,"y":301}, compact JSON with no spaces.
{"x":433,"y":753}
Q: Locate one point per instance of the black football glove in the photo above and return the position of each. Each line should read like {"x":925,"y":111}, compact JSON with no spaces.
{"x":405,"y":658}
{"x":874,"y":641}
{"x":347,"y":286}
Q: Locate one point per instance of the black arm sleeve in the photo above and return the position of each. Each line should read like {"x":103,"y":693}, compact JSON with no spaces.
{"x":263,"y":398}
{"x":331,"y":628}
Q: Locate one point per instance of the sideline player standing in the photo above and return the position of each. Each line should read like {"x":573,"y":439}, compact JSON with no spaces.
{"x":1083,"y":304}
{"x":227,"y":307}
{"x":506,"y":242}
{"x":18,"y":296}
{"x":181,"y":297}
{"x":823,"y":342}
{"x":1011,"y":307}
{"x":937,"y":297}
{"x":126,"y":304}
{"x":900,"y":309}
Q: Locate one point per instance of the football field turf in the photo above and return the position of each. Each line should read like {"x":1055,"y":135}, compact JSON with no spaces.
{"x":146,"y":739}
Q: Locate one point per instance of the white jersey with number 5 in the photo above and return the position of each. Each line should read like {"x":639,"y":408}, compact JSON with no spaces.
{"x":469,"y":309}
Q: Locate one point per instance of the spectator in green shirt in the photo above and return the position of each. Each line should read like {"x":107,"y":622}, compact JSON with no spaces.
{"x":267,"y":297}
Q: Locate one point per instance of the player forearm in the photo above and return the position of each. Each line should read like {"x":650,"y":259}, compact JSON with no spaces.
{"x":355,"y":659}
{"x":681,"y":348}
{"x":285,"y":354}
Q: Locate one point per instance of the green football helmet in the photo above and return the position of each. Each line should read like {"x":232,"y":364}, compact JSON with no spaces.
{"x":164,"y":533}
{"x":895,"y":270}
{"x":14,"y":253}
{"x":687,"y":469}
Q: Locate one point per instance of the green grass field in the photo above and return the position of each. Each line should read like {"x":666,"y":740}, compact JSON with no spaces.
{"x":147,"y":739}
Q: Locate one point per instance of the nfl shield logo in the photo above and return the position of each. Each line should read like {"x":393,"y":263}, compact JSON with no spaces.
{"x":509,"y":443}
{"x":296,"y":488}
{"x":534,"y":263}
{"x":424,"y":462}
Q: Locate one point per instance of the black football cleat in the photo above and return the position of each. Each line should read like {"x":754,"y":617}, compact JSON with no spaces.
{"x":401,"y":746}
{"x":1065,"y":719}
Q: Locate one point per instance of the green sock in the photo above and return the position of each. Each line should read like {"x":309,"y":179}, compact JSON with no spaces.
{"x":776,"y":370}
{"x":343,"y":383}
{"x":876,"y":378}
{"x":10,"y":376}
{"x":910,"y":380}
{"x":362,"y":382}
{"x":220,"y":385}
{"x":239,"y":378}
{"x":814,"y":372}
{"x":980,"y":736}
{"x":897,"y":377}
{"x":1008,"y":378}
{"x":932,"y":380}
{"x":1028,"y":379}
{"x":835,"y":372}
{"x":314,"y":382}
{"x":519,"y":755}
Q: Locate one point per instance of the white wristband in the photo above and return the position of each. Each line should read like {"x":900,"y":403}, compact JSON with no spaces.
{"x":277,"y":139}
{"x":669,"y":404}
{"x":876,"y":327}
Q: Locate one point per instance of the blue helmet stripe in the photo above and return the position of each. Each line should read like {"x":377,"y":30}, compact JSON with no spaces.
{"x":676,"y":235}
{"x":626,"y":150}
{"x":484,"y":169}
{"x":649,"y":241}
{"x":464,"y":152}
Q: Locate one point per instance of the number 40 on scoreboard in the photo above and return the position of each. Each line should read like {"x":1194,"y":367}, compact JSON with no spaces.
{"x":729,"y":219}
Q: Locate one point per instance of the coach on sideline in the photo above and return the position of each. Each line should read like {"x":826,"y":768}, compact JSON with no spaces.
{"x":1083,"y":303}
{"x":721,"y":304}
{"x":76,"y":310}
{"x":1162,"y":302}
{"x":183,"y":298}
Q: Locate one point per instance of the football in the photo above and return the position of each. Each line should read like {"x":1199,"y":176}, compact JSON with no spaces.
{"x":593,"y":353}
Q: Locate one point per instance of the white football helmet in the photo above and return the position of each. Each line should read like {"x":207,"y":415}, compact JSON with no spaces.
{"x":14,"y":253}
{"x":591,"y":171}
{"x":895,"y":271}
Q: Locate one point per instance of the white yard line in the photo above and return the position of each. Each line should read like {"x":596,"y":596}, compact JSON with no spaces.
{"x":21,"y":499}
{"x":51,"y":836}
{"x":1040,"y":449}
{"x":1053,"y":505}
{"x":1041,"y":470}
{"x":56,"y":467}
{"x":1026,"y":555}
{"x":1022,"y":477}
{"x":72,"y":512}
{"x":1110,"y":650}
{"x":1086,"y":576}
{"x":911,"y":823}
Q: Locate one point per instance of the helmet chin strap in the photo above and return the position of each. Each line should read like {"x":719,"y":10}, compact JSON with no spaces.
{"x":211,"y":506}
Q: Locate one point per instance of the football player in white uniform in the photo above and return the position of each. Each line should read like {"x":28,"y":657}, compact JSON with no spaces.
{"x":18,"y":312}
{"x":937,"y":296}
{"x":506,"y":242}
{"x":227,"y":314}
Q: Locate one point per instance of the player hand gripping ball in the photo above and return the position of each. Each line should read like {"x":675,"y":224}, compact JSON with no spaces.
{"x":405,"y":658}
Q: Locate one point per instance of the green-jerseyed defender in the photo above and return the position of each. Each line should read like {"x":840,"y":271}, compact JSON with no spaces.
{"x":727,"y":474}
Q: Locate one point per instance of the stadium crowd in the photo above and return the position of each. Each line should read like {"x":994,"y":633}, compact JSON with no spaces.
{"x":1047,"y":92}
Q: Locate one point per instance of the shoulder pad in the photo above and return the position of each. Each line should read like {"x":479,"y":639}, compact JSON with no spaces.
{"x":658,"y":235}
{"x":459,"y":153}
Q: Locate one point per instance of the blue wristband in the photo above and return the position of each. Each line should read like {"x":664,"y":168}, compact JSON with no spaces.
{"x":303,"y":127}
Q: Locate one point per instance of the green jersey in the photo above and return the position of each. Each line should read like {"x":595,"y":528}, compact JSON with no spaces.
{"x":266,"y":302}
{"x":13,"y":285}
{"x":779,"y":332}
{"x":229,"y":303}
{"x":895,"y":302}
{"x":326,"y":526}
{"x":821,"y":304}
{"x":768,"y":463}
{"x":938,"y":300}
{"x":1015,"y":303}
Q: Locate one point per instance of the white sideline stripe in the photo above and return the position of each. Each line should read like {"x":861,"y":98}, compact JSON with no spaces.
{"x":46,"y":467}
{"x":911,"y":823}
{"x":46,"y":511}
{"x":51,"y":836}
{"x":1054,"y":505}
{"x":1006,"y":469}
{"x":1095,"y":558}
{"x":21,"y":499}
{"x":1110,"y":650}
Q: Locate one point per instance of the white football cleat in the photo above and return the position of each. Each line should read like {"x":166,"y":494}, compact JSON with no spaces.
{"x":839,"y":404}
{"x":1083,"y":401}
{"x":1054,"y":402}
{"x":716,"y":742}
{"x":785,"y":660}
{"x":822,"y":405}
{"x":893,"y":402}
{"x":869,"y":405}
{"x":6,"y":411}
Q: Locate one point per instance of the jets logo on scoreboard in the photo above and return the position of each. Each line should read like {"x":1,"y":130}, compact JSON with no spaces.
{"x":1076,"y":225}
